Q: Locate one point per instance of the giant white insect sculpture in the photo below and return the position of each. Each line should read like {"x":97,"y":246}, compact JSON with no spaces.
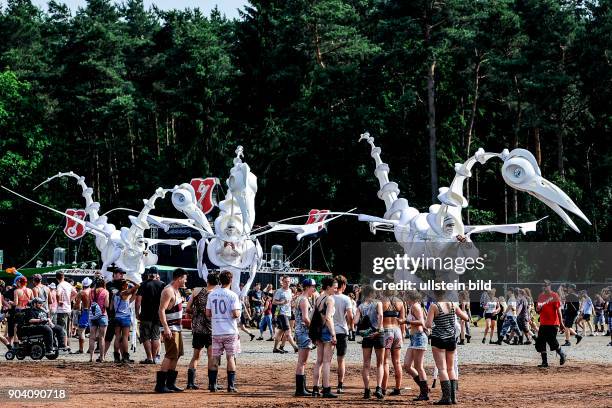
{"x":232,"y":244}
{"x":443,"y":224}
{"x":125,"y":247}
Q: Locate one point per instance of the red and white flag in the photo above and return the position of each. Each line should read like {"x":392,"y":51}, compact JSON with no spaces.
{"x":73,"y":229}
{"x":315,"y":216}
{"x":204,"y":192}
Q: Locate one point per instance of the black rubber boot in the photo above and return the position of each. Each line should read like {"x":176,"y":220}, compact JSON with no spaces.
{"x":544,"y":360}
{"x":212,"y":380}
{"x":366,"y":393}
{"x":126,"y":358}
{"x":446,"y":393}
{"x":231,"y":381}
{"x":454,"y":388}
{"x":299,"y":387}
{"x":424,"y":390}
{"x":160,"y":385}
{"x":315,"y":391}
{"x":117,"y":356}
{"x":306,"y":390}
{"x":327,"y":393}
{"x":191,"y":376}
{"x":171,"y":381}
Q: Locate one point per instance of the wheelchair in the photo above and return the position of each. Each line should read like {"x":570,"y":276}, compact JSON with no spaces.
{"x":30,"y":344}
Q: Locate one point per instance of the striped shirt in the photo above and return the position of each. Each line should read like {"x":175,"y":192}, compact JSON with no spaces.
{"x":174,"y":315}
{"x":444,"y":324}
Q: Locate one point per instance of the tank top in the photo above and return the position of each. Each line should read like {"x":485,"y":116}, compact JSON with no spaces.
{"x":99,"y":296}
{"x":23,"y":297}
{"x":369,"y":309}
{"x":174,"y":315}
{"x":412,"y":318}
{"x":300,"y":327}
{"x":491,"y":306}
{"x":122,"y":307}
{"x":199,"y":322}
{"x":43,"y":293}
{"x":268,"y":310}
{"x":444,"y":324}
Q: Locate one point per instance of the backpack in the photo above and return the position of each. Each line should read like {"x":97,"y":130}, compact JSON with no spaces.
{"x":95,"y":311}
{"x":364,"y":325}
{"x":316,"y":323}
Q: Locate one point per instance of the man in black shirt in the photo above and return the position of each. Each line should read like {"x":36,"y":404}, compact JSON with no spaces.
{"x":572,"y":306}
{"x":255,"y":296}
{"x":147,"y":307}
{"x":40,"y":323}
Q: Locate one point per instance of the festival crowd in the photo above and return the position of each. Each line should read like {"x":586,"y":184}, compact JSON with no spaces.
{"x":319,"y":318}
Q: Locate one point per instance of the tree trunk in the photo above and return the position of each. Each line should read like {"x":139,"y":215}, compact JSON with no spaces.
{"x":536,"y":145}
{"x":431,"y":125}
{"x":474,"y":105}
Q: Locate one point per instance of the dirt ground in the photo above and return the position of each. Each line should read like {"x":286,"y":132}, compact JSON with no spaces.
{"x":480,"y":386}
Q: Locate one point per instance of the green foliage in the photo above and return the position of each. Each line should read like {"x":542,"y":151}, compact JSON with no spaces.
{"x":134,"y":99}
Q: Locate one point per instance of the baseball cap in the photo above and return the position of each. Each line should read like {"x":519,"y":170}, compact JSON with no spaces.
{"x":87,"y":282}
{"x":309,"y":282}
{"x":572,"y":286}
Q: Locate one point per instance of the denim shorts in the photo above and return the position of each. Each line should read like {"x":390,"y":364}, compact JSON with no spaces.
{"x":102,"y":321}
{"x":123,"y":321}
{"x":418,"y":341}
{"x":302,"y":339}
{"x":326,"y":336}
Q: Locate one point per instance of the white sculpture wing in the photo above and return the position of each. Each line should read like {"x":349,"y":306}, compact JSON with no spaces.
{"x":523,"y":227}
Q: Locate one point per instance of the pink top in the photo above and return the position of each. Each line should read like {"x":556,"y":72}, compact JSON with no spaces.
{"x":100,"y":296}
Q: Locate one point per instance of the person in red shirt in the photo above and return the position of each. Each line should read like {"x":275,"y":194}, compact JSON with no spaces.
{"x":549,"y":307}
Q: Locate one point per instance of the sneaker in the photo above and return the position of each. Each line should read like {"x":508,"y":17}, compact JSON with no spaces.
{"x":591,"y":335}
{"x":396,"y":391}
{"x":270,"y":339}
{"x":378,"y":393}
{"x":543,"y":365}
{"x":157,"y":360}
{"x":340,"y":390}
{"x":366,"y":394}
{"x":278,"y":351}
{"x":567,"y":344}
{"x":528,"y":342}
{"x":610,"y":343}
{"x":252,"y":336}
{"x":260,"y":338}
{"x":578,"y":339}
{"x":484,"y":339}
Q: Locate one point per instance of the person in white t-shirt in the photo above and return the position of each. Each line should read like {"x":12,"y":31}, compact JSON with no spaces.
{"x":65,"y":294}
{"x":223,"y":308}
{"x":343,"y":320}
{"x":282,"y":299}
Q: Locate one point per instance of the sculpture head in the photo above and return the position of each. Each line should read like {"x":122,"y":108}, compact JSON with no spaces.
{"x":521,"y":171}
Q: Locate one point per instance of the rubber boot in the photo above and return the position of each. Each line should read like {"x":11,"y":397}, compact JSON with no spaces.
{"x":212,"y":380}
{"x":126,"y":358}
{"x":424,"y":390}
{"x":454,"y":389}
{"x":160,"y":385}
{"x":366,"y":393}
{"x":446,"y":393}
{"x":561,"y":354}
{"x":544,"y":360}
{"x":171,"y":381}
{"x":315,"y":391}
{"x":327,"y":393}
{"x":299,"y":387}
{"x":191,"y":376}
{"x":117,"y":356}
{"x":231,"y":381}
{"x":306,"y":390}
